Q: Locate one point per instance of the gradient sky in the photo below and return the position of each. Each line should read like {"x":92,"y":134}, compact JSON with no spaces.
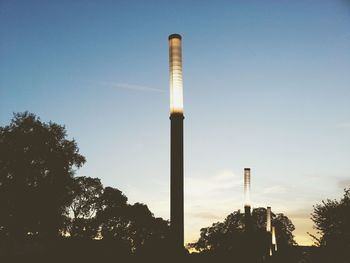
{"x":266,"y":86}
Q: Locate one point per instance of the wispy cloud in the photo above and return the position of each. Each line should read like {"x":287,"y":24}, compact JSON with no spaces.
{"x":210,"y":198}
{"x":129,"y":86}
{"x":302,"y":213}
{"x":206,"y":215}
{"x":276,"y":189}
{"x":344,"y":125}
{"x":344,"y":183}
{"x":224,"y":180}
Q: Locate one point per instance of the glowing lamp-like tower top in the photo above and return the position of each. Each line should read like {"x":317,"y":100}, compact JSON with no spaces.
{"x":274,"y":243}
{"x":175,"y":70}
{"x":247,"y":187}
{"x":268,"y":219}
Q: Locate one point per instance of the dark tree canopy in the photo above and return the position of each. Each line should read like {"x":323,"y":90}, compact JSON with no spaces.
{"x":132,"y":225}
{"x":332,"y":220}
{"x":112,"y":215}
{"x":87,"y":193}
{"x":45,"y":209}
{"x":37,"y":164}
{"x":229,"y":236}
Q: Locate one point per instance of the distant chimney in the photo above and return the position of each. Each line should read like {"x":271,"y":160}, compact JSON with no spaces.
{"x":246,"y":187}
{"x":274,"y":243}
{"x":268,"y":219}
{"x":247,"y":212}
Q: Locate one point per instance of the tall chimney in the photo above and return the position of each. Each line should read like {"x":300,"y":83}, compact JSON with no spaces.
{"x":176,"y":144}
{"x":274,"y":243}
{"x":247,"y":198}
{"x":268,"y":219}
{"x":247,"y":187}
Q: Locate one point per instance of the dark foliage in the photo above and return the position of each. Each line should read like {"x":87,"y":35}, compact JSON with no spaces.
{"x":48,"y":215}
{"x":37,"y":164}
{"x":229,"y":239}
{"x":332,"y":220}
{"x":87,"y":193}
{"x":45,"y":210}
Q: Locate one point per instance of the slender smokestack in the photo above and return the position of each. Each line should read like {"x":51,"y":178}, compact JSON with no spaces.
{"x":176,"y":144}
{"x":268,"y":219}
{"x":274,"y":243}
{"x":246,"y":187}
{"x":247,"y":215}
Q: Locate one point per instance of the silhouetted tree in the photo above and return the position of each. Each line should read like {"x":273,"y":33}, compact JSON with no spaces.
{"x":112,"y":214}
{"x":332,"y":220}
{"x":146,"y":230}
{"x":41,"y":200}
{"x":283,"y":225}
{"x":37,"y":164}
{"x":87,"y":193}
{"x":284,"y":230}
{"x":230,"y":238}
{"x":133,"y":225}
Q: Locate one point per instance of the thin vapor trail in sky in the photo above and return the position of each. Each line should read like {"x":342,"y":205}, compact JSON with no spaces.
{"x":129,"y":86}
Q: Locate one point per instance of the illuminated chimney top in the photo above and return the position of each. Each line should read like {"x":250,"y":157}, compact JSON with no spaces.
{"x":268,"y":219}
{"x":274,"y":243}
{"x":175,"y":70}
{"x":247,"y":187}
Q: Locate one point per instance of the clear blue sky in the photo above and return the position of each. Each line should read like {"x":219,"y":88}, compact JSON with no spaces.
{"x":266,"y":86}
